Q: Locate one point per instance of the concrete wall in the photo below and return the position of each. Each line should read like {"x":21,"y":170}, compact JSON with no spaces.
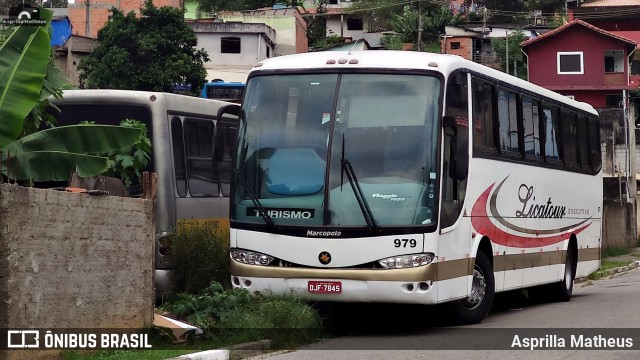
{"x":72,"y":260}
{"x":290,"y":27}
{"x":255,"y":39}
{"x":619,"y":225}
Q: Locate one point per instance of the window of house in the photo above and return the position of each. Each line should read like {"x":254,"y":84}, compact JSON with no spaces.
{"x":570,"y":63}
{"x":455,"y":45}
{"x":230,"y":45}
{"x":614,"y":61}
{"x":354,"y":24}
{"x":613,"y":100}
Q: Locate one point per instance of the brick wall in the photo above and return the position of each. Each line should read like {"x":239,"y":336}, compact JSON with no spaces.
{"x":99,"y":13}
{"x":74,"y":260}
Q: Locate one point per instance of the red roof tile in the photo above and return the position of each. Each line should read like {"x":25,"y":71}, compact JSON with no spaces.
{"x":572,"y":23}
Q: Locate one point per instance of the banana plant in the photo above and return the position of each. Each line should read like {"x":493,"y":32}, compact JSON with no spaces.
{"x":53,"y":154}
{"x":27,"y":80}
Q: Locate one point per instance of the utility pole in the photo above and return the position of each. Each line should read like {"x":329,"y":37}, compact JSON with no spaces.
{"x":87,"y":20}
{"x":506,"y":49}
{"x":419,"y":25}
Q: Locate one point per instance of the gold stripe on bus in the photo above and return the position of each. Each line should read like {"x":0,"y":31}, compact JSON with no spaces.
{"x":527,"y":260}
{"x":445,"y":270}
{"x":422,"y":273}
{"x":455,"y":268}
{"x":589,"y":254}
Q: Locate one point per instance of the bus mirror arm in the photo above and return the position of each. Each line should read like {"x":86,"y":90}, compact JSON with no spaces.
{"x":232,"y":109}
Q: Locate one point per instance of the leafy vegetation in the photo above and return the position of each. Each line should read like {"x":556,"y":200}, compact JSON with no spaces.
{"x":516,"y":65}
{"x":128,"y":163}
{"x":199,"y":254}
{"x":127,"y":43}
{"x":236,"y":316}
{"x":406,"y":28}
{"x":27,"y":79}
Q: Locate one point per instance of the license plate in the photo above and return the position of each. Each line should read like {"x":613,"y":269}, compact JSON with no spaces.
{"x":324,"y":287}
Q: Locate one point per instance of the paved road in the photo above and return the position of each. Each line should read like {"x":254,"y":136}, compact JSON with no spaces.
{"x":607,"y":308}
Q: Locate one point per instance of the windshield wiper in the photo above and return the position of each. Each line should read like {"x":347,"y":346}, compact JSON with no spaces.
{"x":357,"y":191}
{"x":255,"y":200}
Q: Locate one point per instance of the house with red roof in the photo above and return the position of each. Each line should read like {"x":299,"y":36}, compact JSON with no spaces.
{"x":582,"y":61}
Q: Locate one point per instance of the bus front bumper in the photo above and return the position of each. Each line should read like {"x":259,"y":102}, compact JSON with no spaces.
{"x":409,"y":286}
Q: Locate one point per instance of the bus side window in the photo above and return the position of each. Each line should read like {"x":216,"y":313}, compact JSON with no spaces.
{"x":570,"y":137}
{"x":552,"y":148}
{"x":201,"y":176}
{"x":454,"y":189}
{"x":225,"y":145}
{"x":177,"y":142}
{"x":483,"y":119}
{"x":594,"y":145}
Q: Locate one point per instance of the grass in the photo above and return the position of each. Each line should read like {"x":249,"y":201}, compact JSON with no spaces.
{"x":125,"y":354}
{"x":610,"y":252}
{"x":227,"y":317}
{"x":606,"y":265}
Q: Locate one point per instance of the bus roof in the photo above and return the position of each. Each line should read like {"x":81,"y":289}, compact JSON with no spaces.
{"x":113,"y":96}
{"x":401,"y":60}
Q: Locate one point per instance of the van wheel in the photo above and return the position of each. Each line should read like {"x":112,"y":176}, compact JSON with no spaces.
{"x":477,"y":305}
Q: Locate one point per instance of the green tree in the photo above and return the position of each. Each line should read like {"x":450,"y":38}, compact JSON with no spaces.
{"x":153,"y":52}
{"x":434,"y":21}
{"x":516,"y":59}
{"x":317,"y":26}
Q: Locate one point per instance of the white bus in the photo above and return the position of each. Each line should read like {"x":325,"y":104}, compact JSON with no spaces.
{"x":406,"y":177}
{"x":192,"y":152}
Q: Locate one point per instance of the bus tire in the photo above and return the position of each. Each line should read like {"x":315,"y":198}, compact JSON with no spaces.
{"x":559,"y":291}
{"x":477,"y":305}
{"x":562,"y":291}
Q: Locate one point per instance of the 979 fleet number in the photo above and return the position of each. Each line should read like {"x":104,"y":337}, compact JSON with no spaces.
{"x":411,"y":243}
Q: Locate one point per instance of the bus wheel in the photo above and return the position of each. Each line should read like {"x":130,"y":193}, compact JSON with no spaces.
{"x":564,"y":289}
{"x":476,"y":306}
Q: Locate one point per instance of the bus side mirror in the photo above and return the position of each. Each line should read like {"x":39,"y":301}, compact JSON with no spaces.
{"x":459,"y":141}
{"x":227,"y":118}
{"x":231,"y":109}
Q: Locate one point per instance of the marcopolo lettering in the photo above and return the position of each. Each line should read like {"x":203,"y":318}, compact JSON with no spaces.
{"x":334,"y":233}
{"x":283,"y":213}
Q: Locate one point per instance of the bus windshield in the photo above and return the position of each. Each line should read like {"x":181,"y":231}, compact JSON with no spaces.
{"x":338,"y":150}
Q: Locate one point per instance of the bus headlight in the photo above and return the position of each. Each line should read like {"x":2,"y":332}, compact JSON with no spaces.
{"x":251,"y":257}
{"x":407,"y":261}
